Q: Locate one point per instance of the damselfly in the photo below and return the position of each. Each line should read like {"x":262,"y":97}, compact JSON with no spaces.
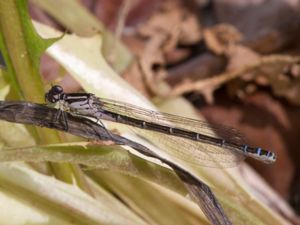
{"x":183,"y":133}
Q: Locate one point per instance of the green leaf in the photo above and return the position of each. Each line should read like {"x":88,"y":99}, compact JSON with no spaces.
{"x":21,"y":47}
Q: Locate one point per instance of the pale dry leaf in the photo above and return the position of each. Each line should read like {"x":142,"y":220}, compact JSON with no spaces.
{"x":221,"y":37}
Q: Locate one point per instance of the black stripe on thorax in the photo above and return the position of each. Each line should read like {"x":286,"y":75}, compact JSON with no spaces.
{"x":75,"y":97}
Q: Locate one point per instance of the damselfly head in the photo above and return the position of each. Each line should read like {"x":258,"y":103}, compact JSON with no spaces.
{"x":53,"y":95}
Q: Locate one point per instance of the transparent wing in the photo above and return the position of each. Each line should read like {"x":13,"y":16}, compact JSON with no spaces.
{"x":166,"y":119}
{"x":194,"y":152}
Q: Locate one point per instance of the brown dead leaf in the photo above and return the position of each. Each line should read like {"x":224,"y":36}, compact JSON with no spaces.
{"x":164,"y":20}
{"x":239,"y":56}
{"x":265,"y":65}
{"x":294,"y":71}
{"x":161,"y":34}
{"x":177,"y":25}
{"x":134,"y":76}
{"x":176,"y":55}
{"x":221,"y":37}
{"x":190,"y":29}
{"x":173,"y":18}
{"x":285,"y":86}
{"x":270,"y":74}
{"x":267,"y":26}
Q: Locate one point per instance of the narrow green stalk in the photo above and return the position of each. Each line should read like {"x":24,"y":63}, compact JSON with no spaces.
{"x":22,"y":48}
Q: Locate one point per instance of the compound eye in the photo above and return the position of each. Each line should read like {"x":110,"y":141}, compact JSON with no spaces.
{"x":56,"y":90}
{"x":54,"y":94}
{"x":50,"y":98}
